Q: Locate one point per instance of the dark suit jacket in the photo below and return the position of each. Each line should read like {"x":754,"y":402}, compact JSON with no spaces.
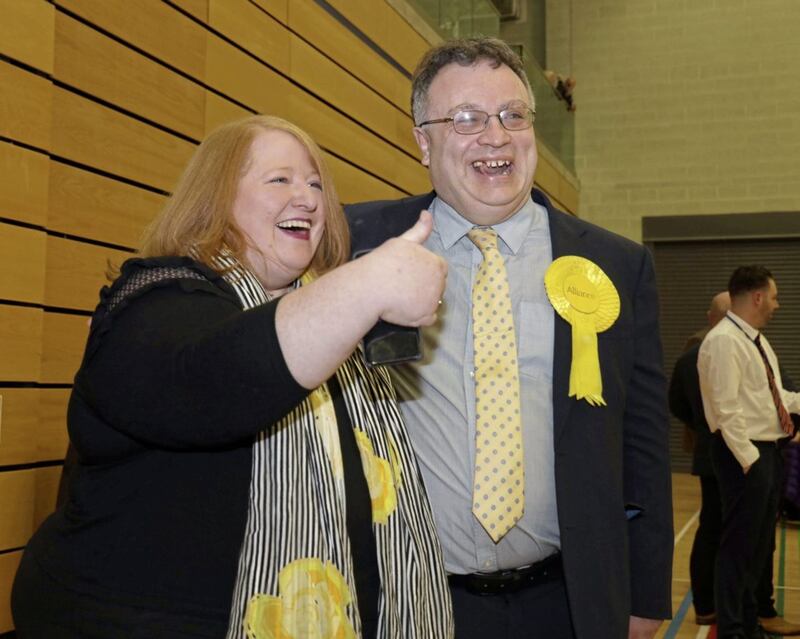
{"x":608,"y":459}
{"x":686,"y":403}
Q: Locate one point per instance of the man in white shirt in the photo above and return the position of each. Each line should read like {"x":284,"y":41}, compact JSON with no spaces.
{"x":747,"y":409}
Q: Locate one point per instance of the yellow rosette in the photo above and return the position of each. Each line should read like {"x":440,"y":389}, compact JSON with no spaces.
{"x":380,"y":479}
{"x":311,"y":605}
{"x":583,"y":295}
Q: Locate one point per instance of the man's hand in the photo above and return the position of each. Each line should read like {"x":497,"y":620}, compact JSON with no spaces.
{"x":641,"y":628}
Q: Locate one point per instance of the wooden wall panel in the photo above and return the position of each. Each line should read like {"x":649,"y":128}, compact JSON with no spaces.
{"x":570,"y":197}
{"x":24,"y":179}
{"x":100,"y":137}
{"x":26,"y":32}
{"x":336,"y":133}
{"x":309,"y":20}
{"x":154,"y":27}
{"x":106,"y":69}
{"x":246,"y":80}
{"x":20,"y":425}
{"x":198,"y":8}
{"x":219,"y":111}
{"x":253,"y":29}
{"x":63,"y":342}
{"x":46,"y":492}
{"x":89,"y":205}
{"x":8,"y":568}
{"x":552,"y":179}
{"x":353,"y":185}
{"x":17,"y":502}
{"x":335,"y":85}
{"x":24,"y":106}
{"x":52,"y":437}
{"x":278,"y":9}
{"x":76,"y":272}
{"x":547,"y":178}
{"x":386,"y":28}
{"x":20,"y":343}
{"x":267,"y":92}
{"x":22,"y":255}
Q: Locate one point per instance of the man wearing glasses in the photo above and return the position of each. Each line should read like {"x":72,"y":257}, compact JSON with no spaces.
{"x":537,"y":410}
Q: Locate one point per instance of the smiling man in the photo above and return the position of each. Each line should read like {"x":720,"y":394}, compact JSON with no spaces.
{"x":545,"y":456}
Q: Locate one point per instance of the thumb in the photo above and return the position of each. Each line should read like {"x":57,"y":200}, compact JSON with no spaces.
{"x":421,"y":230}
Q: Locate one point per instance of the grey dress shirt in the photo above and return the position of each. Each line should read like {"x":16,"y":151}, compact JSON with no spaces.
{"x":437,"y":393}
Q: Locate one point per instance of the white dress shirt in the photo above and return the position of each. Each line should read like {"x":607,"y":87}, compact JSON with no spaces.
{"x":735,"y":390}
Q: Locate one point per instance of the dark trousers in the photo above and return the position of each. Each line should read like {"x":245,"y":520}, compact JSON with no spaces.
{"x":749,"y":504}
{"x":704,"y":555}
{"x":537,"y":612}
{"x":705,"y":547}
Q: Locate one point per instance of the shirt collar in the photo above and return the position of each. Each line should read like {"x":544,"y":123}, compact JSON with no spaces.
{"x":748,"y":330}
{"x":452,"y":226}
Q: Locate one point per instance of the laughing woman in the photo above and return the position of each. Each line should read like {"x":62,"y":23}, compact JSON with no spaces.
{"x":241,"y":472}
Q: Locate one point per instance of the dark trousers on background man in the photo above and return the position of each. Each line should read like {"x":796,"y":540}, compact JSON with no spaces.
{"x":749,"y":504}
{"x":704,"y":555}
{"x":705,"y":546}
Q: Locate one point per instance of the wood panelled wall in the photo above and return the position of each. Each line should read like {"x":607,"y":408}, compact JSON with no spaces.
{"x":101,"y":105}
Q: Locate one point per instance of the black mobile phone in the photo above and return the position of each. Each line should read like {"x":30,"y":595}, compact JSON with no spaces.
{"x":388,"y":343}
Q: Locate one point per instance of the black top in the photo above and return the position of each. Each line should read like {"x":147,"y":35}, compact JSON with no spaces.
{"x":175,"y":383}
{"x":686,"y":403}
{"x":359,"y":518}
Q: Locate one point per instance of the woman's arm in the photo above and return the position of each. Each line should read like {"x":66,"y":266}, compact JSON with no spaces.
{"x":319,"y":325}
{"x":190,"y":369}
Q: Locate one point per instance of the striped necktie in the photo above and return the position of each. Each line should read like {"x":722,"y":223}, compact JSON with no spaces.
{"x":498,"y":488}
{"x":783,"y":414}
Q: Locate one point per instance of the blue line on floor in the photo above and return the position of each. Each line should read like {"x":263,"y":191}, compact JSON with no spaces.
{"x":781,"y":569}
{"x":677,"y":620}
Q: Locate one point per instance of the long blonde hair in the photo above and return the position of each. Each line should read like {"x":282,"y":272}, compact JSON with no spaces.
{"x":197,"y":219}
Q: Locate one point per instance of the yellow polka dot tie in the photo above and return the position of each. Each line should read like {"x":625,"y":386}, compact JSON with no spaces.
{"x":498,"y":497}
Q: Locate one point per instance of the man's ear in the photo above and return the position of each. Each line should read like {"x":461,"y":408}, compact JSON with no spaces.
{"x":424,"y":144}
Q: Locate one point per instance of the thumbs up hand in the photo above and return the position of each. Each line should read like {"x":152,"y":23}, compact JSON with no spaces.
{"x":410,"y":278}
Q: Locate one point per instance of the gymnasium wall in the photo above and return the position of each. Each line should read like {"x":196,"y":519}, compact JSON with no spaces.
{"x":684,"y":108}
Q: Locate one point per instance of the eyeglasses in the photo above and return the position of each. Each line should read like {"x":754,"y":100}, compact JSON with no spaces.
{"x":473,"y":121}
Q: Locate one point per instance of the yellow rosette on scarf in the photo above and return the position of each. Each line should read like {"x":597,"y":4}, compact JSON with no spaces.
{"x":583,"y":295}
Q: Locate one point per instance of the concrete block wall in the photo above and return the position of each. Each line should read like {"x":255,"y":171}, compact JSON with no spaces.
{"x":684,"y":106}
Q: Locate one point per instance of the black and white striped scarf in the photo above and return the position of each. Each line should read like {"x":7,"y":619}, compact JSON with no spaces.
{"x":296,"y":576}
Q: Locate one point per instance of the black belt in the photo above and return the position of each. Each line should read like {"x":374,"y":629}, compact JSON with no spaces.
{"x":506,"y":581}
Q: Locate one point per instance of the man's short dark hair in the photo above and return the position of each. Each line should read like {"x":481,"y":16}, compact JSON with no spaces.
{"x":466,"y":52}
{"x":749,"y":278}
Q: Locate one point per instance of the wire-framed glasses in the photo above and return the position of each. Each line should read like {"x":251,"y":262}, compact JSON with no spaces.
{"x":472,"y":121}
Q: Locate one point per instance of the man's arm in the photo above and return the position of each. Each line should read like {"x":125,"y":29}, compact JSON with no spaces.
{"x":646,"y":460}
{"x":720,"y":364}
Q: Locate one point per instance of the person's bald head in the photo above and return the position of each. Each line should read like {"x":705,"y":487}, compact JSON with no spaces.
{"x":720,"y":304}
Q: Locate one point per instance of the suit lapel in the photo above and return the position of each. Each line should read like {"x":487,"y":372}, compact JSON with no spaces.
{"x":564,"y":240}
